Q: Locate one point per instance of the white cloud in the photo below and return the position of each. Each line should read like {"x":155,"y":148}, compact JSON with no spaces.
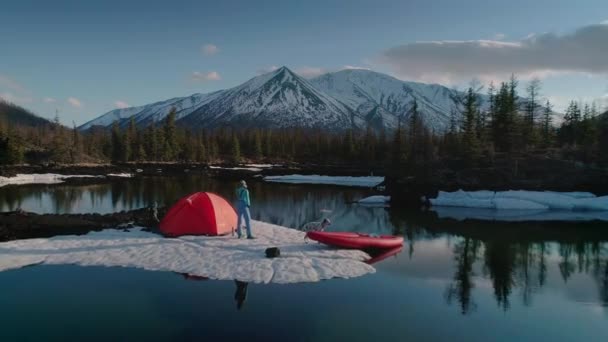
{"x":121,"y":104}
{"x":74,"y":102}
{"x":354,"y":67}
{"x":267,"y":69}
{"x":500,"y":36}
{"x":49,"y":100}
{"x":203,"y":77}
{"x":16,"y":98}
{"x":605,"y":22}
{"x":12,"y":91}
{"x":210,"y":49}
{"x":7,"y":82}
{"x":582,"y":51}
{"x":310,"y":72}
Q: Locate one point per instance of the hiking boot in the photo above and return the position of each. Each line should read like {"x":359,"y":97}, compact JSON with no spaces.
{"x":251,"y":237}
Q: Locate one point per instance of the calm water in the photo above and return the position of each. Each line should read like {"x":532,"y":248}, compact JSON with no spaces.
{"x":454,"y":280}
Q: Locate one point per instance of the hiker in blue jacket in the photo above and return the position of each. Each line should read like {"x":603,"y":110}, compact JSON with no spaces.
{"x":242,"y":208}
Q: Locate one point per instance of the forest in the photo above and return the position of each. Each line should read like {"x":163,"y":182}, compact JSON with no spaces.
{"x":509,"y":123}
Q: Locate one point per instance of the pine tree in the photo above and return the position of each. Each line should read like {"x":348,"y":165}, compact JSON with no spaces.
{"x":201,"y":151}
{"x":170,"y":137}
{"x":268,"y":144}
{"x":369,"y":144}
{"x":398,"y":148}
{"x":236,"y":149}
{"x":603,"y":138}
{"x":117,"y":143}
{"x":470,"y":112}
{"x":126,"y":146}
{"x":258,"y":153}
{"x":529,"y":124}
{"x":349,"y":147}
{"x":59,"y":145}
{"x":133,"y":141}
{"x":547,"y":131}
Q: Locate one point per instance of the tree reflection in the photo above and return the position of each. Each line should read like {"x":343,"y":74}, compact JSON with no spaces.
{"x":465,"y":255}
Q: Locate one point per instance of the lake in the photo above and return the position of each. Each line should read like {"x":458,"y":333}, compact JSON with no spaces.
{"x":464,"y":281}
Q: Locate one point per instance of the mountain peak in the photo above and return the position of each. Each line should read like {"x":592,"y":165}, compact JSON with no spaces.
{"x":281,"y":98}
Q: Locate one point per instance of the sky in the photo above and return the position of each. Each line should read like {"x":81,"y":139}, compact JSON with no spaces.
{"x":84,"y":58}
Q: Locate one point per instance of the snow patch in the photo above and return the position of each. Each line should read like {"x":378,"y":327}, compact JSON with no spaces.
{"x":41,"y":178}
{"x":120,"y":175}
{"x":224,"y":257}
{"x":521,"y":200}
{"x":367,"y":181}
{"x":378,"y":199}
{"x":254,"y":169}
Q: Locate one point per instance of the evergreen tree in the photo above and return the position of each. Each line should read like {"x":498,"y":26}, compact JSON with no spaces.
{"x":529,"y":124}
{"x":603,"y":138}
{"x":547,"y":130}
{"x":470,"y":112}
{"x":236,"y":149}
{"x":398,"y":151}
{"x":369,"y":144}
{"x":268,"y":144}
{"x":349,"y":145}
{"x":133,"y":141}
{"x":259,"y":153}
{"x":170,"y":137}
{"x":201,"y":152}
{"x":117,"y":143}
{"x":126,"y":146}
{"x":59,"y":144}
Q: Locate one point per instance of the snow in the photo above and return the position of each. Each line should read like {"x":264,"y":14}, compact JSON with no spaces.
{"x":377,"y":199}
{"x":365,"y":181}
{"x":262,"y":166}
{"x":223,"y":257}
{"x":282,"y":98}
{"x":255,"y":169}
{"x":120,"y":175}
{"x":40,"y":178}
{"x":522,"y":200}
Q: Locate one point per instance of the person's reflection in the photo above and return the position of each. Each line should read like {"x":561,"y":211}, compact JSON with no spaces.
{"x":241,"y":293}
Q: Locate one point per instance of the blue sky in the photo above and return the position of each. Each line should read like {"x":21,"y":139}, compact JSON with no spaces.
{"x":85,"y":58}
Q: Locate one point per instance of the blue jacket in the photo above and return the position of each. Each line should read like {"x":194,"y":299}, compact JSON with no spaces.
{"x":242,"y":194}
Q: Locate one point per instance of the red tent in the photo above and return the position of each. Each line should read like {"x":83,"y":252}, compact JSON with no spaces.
{"x":202,"y":213}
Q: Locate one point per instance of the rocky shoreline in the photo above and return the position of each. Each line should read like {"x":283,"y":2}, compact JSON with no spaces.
{"x":17,"y":225}
{"x":222,"y":171}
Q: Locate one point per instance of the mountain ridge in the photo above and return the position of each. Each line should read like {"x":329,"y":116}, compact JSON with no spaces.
{"x":280,"y":99}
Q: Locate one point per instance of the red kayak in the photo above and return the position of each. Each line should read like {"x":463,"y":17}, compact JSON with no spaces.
{"x":356,"y":240}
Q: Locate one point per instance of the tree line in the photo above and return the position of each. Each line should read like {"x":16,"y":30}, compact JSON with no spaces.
{"x":503,"y":122}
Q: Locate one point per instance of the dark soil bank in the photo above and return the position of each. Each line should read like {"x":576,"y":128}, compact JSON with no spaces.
{"x":23,"y":225}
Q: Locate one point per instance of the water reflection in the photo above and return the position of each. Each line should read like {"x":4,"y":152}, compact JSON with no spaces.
{"x":518,"y":262}
{"x":241,"y":293}
{"x":517,"y":258}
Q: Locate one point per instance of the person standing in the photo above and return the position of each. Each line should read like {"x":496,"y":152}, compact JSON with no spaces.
{"x":242,"y":208}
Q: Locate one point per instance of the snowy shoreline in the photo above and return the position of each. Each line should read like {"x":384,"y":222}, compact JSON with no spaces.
{"x":40,"y":178}
{"x":521,"y":205}
{"x":224,"y":258}
{"x":363,"y":181}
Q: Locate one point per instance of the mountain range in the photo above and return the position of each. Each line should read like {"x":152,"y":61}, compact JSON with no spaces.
{"x":353,"y":98}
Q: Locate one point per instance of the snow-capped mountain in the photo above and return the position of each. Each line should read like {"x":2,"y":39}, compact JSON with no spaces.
{"x":382,"y":98}
{"x":277,"y":99}
{"x":281,"y":98}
